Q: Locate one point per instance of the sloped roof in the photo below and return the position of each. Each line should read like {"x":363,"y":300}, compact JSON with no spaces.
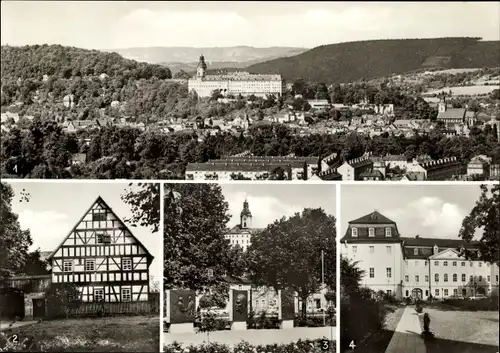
{"x":373,"y":218}
{"x":100,"y":199}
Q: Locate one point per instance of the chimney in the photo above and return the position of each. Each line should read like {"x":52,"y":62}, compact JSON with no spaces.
{"x":417,"y":236}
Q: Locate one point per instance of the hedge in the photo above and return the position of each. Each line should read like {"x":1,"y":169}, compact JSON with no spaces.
{"x":307,"y":346}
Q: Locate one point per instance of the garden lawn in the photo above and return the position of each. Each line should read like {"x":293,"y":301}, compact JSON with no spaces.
{"x":463,"y":331}
{"x":112,"y":334}
{"x":378,"y":342}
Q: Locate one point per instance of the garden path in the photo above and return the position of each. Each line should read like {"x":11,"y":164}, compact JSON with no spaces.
{"x":407,"y":337}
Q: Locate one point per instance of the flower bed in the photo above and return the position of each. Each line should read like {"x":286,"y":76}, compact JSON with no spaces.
{"x":471,"y":304}
{"x":300,"y":346}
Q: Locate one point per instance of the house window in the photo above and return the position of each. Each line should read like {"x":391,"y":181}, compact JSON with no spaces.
{"x":354,"y":249}
{"x":436,"y":292}
{"x":454,"y":263}
{"x":455,"y":291}
{"x":354,"y":232}
{"x":427,"y":293}
{"x":407,"y":278}
{"x":454,"y":277}
{"x":463,"y":277}
{"x":463,"y":263}
{"x":98,"y":294}
{"x":372,"y":272}
{"x":488,"y":278}
{"x":103,"y":238}
{"x":126,"y":295}
{"x":210,"y":272}
{"x":98,"y":215}
{"x":416,"y":278}
{"x":407,"y":293}
{"x":480,"y":264}
{"x":436,"y":263}
{"x":415,"y":251}
{"x":445,"y":277}
{"x":389,"y":272}
{"x":389,"y":292}
{"x":90,"y":265}
{"x":480,"y":278}
{"x":425,"y":263}
{"x":126,"y":264}
{"x":388,"y":249}
{"x":426,"y":278}
{"x":470,"y":263}
{"x":496,"y":278}
{"x":471,"y":278}
{"x":372,"y":249}
{"x":445,"y":263}
{"x":388,"y":232}
{"x":371,"y":232}
{"x":446,"y":292}
{"x":68,"y":266}
{"x":406,"y":262}
{"x":436,"y":277}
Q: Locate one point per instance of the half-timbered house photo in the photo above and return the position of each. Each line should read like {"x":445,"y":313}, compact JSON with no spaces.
{"x":78,"y":268}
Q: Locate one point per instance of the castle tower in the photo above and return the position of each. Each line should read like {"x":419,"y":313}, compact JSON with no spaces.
{"x":442,"y":105}
{"x":245,"y":216}
{"x":201,"y":68}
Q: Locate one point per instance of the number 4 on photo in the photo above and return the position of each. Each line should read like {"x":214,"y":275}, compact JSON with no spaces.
{"x":352,"y":345}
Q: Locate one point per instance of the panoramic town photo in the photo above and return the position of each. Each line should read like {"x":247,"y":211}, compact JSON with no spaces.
{"x":80,"y":267}
{"x":247,"y":91}
{"x":249,"y":267}
{"x":419,"y":268}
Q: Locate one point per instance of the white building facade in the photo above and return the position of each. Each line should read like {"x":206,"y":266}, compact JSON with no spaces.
{"x":237,"y":83}
{"x":414,"y":267}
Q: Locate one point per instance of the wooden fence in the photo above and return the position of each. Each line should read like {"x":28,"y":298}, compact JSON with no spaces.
{"x":150,"y":307}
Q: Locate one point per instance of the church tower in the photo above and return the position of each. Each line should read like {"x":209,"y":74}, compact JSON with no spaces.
{"x":201,"y":69}
{"x":245,"y":216}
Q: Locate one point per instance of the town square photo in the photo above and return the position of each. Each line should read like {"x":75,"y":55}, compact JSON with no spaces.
{"x":242,"y":90}
{"x":80,"y":266}
{"x":250,"y":262}
{"x":419,"y":268}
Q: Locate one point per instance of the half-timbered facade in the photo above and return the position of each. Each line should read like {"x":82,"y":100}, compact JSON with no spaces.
{"x":103,"y":258}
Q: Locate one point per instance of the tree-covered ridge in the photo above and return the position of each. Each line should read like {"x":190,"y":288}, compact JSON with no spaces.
{"x":352,"y":61}
{"x":43,"y":150}
{"x":34,"y":61}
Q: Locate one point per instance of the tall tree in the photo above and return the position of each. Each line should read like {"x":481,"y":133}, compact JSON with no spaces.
{"x":485,"y":216}
{"x":196,"y":254}
{"x":287,"y":254}
{"x":144,"y":201}
{"x":14,"y":242}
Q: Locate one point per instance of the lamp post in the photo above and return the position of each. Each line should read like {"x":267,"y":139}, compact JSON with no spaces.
{"x":323,"y":282}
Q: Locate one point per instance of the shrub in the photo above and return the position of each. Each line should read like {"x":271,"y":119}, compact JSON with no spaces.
{"x":307,"y":346}
{"x":352,"y":327}
{"x":479,"y":304}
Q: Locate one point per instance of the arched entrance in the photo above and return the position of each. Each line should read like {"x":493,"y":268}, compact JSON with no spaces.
{"x":416,"y":293}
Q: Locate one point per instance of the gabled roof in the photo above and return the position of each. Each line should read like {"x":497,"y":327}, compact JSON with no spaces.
{"x":101,"y":200}
{"x":447,"y":254}
{"x":373,"y":218}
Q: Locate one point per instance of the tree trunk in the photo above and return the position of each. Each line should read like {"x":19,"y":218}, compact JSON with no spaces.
{"x":304,"y":305}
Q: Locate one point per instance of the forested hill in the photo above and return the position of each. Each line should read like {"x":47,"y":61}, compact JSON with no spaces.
{"x":34,"y":61}
{"x":348,"y":62}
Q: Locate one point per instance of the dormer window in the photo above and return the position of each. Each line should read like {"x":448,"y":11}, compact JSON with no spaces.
{"x":354,"y":232}
{"x":388,"y":232}
{"x":371,"y":232}
{"x":435,"y":249}
{"x":415,"y":251}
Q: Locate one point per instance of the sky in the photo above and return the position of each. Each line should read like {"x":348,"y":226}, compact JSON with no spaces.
{"x":431,"y":211}
{"x":115,"y":24}
{"x":54,"y":209}
{"x":269,"y":202}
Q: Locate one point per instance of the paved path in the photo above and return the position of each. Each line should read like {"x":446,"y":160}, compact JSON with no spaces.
{"x":4,"y":325}
{"x":407,"y":337}
{"x":254,"y":337}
